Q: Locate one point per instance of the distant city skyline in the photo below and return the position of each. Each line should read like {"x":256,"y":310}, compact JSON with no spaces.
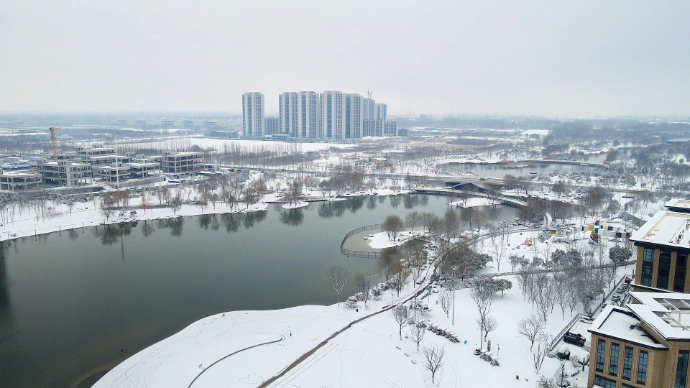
{"x":537,"y":58}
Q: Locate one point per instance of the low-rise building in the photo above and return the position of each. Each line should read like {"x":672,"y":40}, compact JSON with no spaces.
{"x":20,"y":180}
{"x":119,"y":173}
{"x":662,"y":246}
{"x":64,"y":173}
{"x":645,"y":344}
{"x":143,"y":169}
{"x":182,"y":162}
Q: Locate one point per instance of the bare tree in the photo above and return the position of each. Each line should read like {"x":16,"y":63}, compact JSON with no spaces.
{"x":531,"y":328}
{"x":483,"y":296}
{"x":413,"y":219}
{"x":392,"y":225}
{"x":490,"y":325}
{"x":363,"y":285}
{"x":176,"y":202}
{"x":446,"y":300}
{"x":401,"y":314}
{"x":417,"y":332}
{"x":540,"y":355}
{"x":70,"y":205}
{"x":434,"y":359}
{"x":337,"y":275}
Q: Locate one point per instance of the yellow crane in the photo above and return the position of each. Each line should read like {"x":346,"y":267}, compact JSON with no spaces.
{"x":52,"y":138}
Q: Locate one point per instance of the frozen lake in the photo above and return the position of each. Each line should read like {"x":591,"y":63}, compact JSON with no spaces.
{"x":73,"y":303}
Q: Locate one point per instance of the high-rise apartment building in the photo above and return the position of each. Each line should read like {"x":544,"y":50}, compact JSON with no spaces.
{"x":253,"y":122}
{"x":307,"y":115}
{"x":381,"y":111}
{"x":369,"y":109}
{"x":354,"y":119}
{"x":331,"y":115}
{"x":331,"y":126}
{"x":272,"y":126}
{"x":288,"y":113}
{"x":390,"y":128}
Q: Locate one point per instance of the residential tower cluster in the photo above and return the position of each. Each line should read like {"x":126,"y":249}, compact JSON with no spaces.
{"x":331,"y":115}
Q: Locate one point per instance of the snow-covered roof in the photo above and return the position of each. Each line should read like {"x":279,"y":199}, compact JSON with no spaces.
{"x":20,"y":173}
{"x":620,"y":323}
{"x":667,"y":313}
{"x":678,"y":204}
{"x":666,"y":228}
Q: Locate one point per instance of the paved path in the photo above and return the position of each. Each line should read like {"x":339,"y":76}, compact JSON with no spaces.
{"x":306,"y":355}
{"x":282,"y":337}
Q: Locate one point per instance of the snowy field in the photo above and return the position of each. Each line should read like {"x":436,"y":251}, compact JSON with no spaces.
{"x":381,"y":240}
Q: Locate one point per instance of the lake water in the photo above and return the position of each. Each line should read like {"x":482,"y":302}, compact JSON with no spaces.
{"x":74,"y":302}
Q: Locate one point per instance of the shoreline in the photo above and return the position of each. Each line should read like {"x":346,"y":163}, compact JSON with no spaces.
{"x":86,"y":214}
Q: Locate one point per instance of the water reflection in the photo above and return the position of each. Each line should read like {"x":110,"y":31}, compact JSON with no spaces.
{"x":293,"y":217}
{"x":231,"y":221}
{"x":395,"y":201}
{"x":147,"y":229}
{"x":108,"y":234}
{"x":175,"y":225}
{"x":371,"y":203}
{"x":73,"y":235}
{"x":410,"y":201}
{"x":251,"y":218}
{"x":356,"y":203}
{"x":4,"y":295}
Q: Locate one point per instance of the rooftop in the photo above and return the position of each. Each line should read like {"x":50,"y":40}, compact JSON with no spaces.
{"x":620,"y":323}
{"x":666,"y":228}
{"x":21,"y":173}
{"x":678,"y":204}
{"x":666,"y":313}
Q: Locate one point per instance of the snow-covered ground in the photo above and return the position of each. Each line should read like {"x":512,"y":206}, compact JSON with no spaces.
{"x":474,"y":202}
{"x":295,"y":205}
{"x":368,"y":354}
{"x":381,"y":240}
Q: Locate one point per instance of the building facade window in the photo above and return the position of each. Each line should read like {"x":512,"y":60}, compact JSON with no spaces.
{"x":682,"y":369}
{"x":613,"y":364}
{"x":601,"y":351}
{"x":647,"y":266}
{"x":642,"y":367}
{"x":681,"y":267}
{"x":604,"y":382}
{"x":664,"y":269}
{"x":627,"y":362}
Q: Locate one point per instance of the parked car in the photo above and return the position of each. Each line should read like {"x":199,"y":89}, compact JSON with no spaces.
{"x":575,"y":339}
{"x":586,"y":319}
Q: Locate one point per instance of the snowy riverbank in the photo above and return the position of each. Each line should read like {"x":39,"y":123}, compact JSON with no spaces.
{"x":84,"y":214}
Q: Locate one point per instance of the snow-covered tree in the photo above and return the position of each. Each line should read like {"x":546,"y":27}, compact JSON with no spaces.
{"x":337,"y":275}
{"x":434,"y":359}
{"x":531,"y":328}
{"x":401,"y":314}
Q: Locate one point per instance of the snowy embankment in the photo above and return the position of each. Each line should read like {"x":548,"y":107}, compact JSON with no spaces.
{"x":295,"y":205}
{"x":85,"y":214}
{"x":474,"y":202}
{"x":381,"y":240}
{"x":212,"y":350}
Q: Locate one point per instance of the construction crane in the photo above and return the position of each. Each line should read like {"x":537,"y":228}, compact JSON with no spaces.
{"x":52,"y":138}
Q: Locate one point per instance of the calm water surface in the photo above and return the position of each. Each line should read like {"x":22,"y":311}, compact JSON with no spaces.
{"x":74,"y":302}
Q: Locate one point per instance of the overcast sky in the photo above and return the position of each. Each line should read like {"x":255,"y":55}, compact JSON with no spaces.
{"x":555,"y":58}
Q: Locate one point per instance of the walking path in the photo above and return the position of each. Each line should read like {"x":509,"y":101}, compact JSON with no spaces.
{"x":282,"y":337}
